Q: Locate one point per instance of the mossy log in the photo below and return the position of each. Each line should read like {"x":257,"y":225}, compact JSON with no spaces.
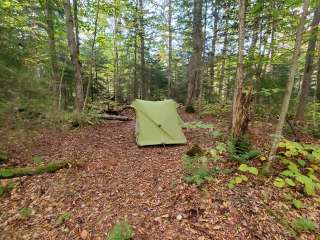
{"x":30,"y":171}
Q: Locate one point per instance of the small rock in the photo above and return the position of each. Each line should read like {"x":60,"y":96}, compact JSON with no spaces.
{"x":179,"y":217}
{"x":84,"y":234}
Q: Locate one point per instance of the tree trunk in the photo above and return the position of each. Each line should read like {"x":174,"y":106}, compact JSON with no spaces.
{"x":170,"y":50}
{"x":290,"y":82}
{"x":144,"y":87}
{"x":308,"y":67}
{"x":318,"y":77}
{"x":195,"y":64}
{"x":52,"y":49}
{"x":237,"y":112}
{"x":224,"y":56}
{"x":135,"y":81}
{"x":93,"y":55}
{"x":213,"y":51}
{"x":72,"y":43}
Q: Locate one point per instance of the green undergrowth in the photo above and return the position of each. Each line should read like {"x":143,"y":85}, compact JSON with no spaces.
{"x":300,"y":165}
{"x":121,"y":231}
{"x":199,"y":165}
{"x":6,"y":188}
{"x":241,"y":150}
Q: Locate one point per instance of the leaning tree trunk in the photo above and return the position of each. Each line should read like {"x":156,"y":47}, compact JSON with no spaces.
{"x":308,"y":67}
{"x":290,"y":83}
{"x":72,"y":43}
{"x":195,"y":64}
{"x":240,"y":114}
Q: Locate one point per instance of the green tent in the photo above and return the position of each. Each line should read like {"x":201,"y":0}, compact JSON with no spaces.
{"x":158,"y":122}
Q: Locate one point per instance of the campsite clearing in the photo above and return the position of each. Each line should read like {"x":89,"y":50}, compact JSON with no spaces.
{"x":119,"y":180}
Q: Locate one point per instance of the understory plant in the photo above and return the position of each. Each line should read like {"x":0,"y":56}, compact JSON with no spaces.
{"x":301,"y":164}
{"x":198,"y":167}
{"x":6,"y":188}
{"x":241,"y":150}
{"x":121,"y":231}
{"x":240,"y":178}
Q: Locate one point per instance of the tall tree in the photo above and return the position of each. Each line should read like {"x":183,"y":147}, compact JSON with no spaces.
{"x":143,"y":72}
{"x":290,"y":83}
{"x":170,"y":50}
{"x":49,"y":10}
{"x":74,"y":50}
{"x":92,"y":54}
{"x":308,"y":67}
{"x":195,"y":64}
{"x":236,"y":128}
{"x":216,"y":5}
{"x":318,"y":77}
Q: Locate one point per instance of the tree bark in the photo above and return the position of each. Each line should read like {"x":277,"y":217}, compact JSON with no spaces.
{"x":92,"y":54}
{"x":52,"y":49}
{"x":290,"y":83}
{"x":224,"y":53}
{"x":318,"y":77}
{"x":135,"y":81}
{"x":170,"y":50}
{"x":213,"y":51}
{"x":72,"y":43}
{"x":144,"y":87}
{"x":195,"y":64}
{"x":237,"y":108}
{"x":308,"y":67}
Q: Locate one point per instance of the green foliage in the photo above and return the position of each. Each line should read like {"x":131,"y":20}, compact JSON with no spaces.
{"x":80,"y":119}
{"x":25,"y":213}
{"x":242,"y":178}
{"x":121,"y":231}
{"x":304,"y":225}
{"x":246,"y":168}
{"x":197,"y":170}
{"x":37,"y":159}
{"x":296,"y":203}
{"x":241,"y":150}
{"x":5,"y":189}
{"x":215,"y":133}
{"x":302,"y":162}
{"x":216,"y":109}
{"x":3,"y":157}
{"x":197,"y":124}
{"x":63,"y":218}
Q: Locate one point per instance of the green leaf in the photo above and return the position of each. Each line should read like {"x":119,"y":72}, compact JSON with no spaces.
{"x":301,"y":162}
{"x":238,"y":180}
{"x":297,"y":203}
{"x":231,"y":184}
{"x":37,"y":159}
{"x":289,"y":182}
{"x":244,"y":178}
{"x":287,"y":173}
{"x":253,"y":170}
{"x":279,"y":182}
{"x":243,"y":167}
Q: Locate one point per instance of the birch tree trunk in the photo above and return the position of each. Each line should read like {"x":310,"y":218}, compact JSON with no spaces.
{"x":74,"y":50}
{"x":290,"y":82}
{"x":195,"y":64}
{"x":308,"y":67}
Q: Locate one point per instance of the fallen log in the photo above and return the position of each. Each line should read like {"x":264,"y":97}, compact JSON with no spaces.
{"x":114,"y":117}
{"x":30,"y":171}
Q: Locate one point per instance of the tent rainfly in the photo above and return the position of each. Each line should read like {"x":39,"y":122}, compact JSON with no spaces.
{"x":158,"y":122}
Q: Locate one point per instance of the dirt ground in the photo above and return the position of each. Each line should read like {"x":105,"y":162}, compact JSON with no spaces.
{"x":117,"y":180}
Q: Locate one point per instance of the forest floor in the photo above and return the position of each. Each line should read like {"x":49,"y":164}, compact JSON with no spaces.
{"x":115,"y":179}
